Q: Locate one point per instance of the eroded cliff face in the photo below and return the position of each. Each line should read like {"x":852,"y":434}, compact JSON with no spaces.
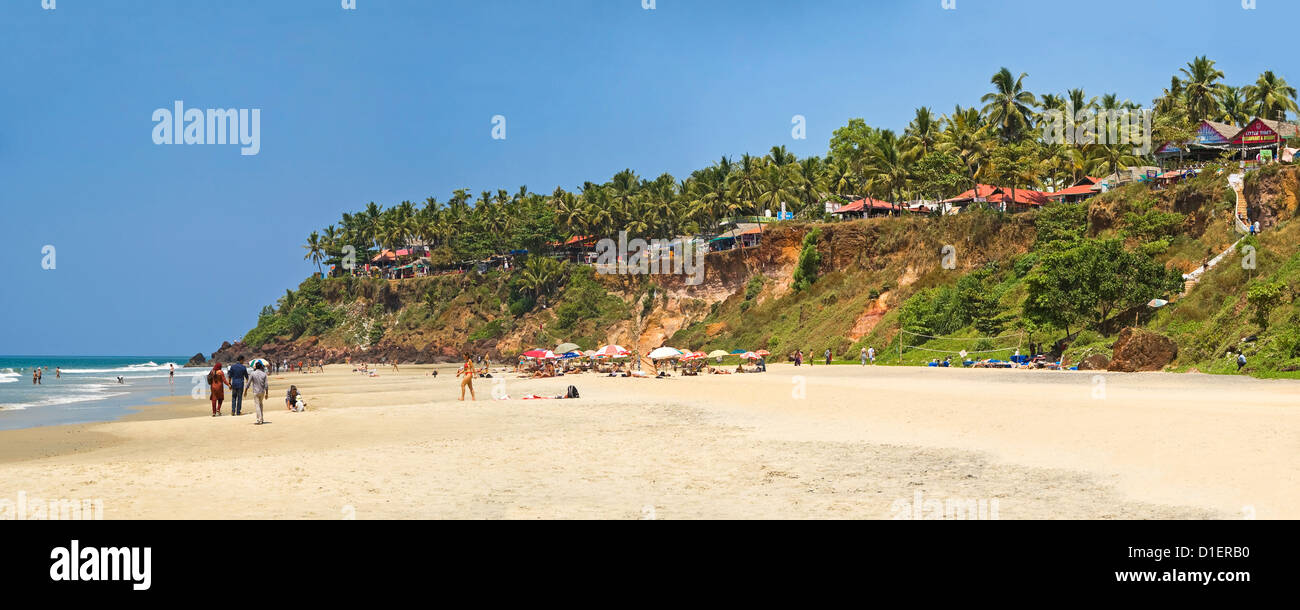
{"x":1274,"y":196}
{"x":440,"y":319}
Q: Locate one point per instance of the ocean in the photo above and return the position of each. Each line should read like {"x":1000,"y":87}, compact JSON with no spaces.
{"x":87,"y":388}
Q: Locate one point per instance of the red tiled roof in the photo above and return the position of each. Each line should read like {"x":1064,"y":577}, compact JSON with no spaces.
{"x":862,"y":204}
{"x":984,"y":190}
{"x":1022,"y":197}
{"x":1082,"y":189}
{"x":751,"y":231}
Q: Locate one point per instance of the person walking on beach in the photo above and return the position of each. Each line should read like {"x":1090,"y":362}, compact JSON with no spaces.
{"x":871,"y":354}
{"x":171,"y":373}
{"x":36,"y":376}
{"x":828,"y":355}
{"x":863,"y":355}
{"x":260,"y":387}
{"x":217,"y":388}
{"x":798,"y":357}
{"x":466,"y":374}
{"x":58,"y":373}
{"x":237,"y":376}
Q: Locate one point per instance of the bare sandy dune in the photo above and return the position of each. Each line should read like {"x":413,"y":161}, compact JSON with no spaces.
{"x":819,"y":442}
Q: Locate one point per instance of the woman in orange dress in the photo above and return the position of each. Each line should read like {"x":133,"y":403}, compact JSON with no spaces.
{"x":217,"y":383}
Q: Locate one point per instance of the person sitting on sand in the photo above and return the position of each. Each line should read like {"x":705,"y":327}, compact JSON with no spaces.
{"x":291,"y":398}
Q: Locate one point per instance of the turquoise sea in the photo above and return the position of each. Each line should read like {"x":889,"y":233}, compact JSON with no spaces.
{"x":85,"y":388}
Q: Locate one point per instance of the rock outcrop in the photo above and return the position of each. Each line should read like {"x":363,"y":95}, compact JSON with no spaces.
{"x":1094,"y":362}
{"x":1140,"y":350}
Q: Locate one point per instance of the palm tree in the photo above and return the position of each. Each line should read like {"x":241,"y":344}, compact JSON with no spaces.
{"x":966,"y":138}
{"x":1170,"y":98}
{"x":922,"y":134}
{"x":1009,"y":106}
{"x":315,"y":249}
{"x":1271,"y":97}
{"x":540,"y":276}
{"x":1232,"y":107}
{"x":1079,"y":100}
{"x":1201,"y":88}
{"x":890,"y":165}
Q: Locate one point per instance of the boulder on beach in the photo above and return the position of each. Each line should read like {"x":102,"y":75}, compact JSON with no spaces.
{"x":197,"y":360}
{"x":1140,"y":350}
{"x":1094,"y":362}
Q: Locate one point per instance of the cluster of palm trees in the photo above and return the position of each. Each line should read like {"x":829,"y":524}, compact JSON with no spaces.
{"x":935,"y":157}
{"x":1200,"y":94}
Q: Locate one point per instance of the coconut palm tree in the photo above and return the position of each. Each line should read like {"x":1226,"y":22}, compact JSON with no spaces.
{"x":968,"y":139}
{"x":1271,"y":97}
{"x":1009,"y":106}
{"x":1201,"y":88}
{"x":891,"y":168}
{"x":315,"y":249}
{"x":1170,"y":98}
{"x":1233,"y":107}
{"x":922,"y":134}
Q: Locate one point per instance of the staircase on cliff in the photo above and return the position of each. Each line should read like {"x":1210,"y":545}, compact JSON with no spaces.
{"x":1240,"y":221}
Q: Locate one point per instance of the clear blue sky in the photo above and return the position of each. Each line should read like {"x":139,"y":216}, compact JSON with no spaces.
{"x":172,"y":249}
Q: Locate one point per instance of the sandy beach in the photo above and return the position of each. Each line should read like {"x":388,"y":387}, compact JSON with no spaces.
{"x":808,"y":442}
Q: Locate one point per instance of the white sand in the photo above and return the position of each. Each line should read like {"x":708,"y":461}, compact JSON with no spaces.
{"x":740,"y":446}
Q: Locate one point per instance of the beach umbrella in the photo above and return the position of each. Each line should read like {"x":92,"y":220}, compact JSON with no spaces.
{"x":763,"y":352}
{"x":749,"y":356}
{"x":612,"y":351}
{"x":737,"y":351}
{"x":718,"y":353}
{"x":253,"y":363}
{"x":665,"y":353}
{"x":589,"y":353}
{"x":570,"y":355}
{"x":565,"y":348}
{"x":540,"y":354}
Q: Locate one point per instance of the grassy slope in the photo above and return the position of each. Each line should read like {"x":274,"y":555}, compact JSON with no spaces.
{"x":869,"y":270}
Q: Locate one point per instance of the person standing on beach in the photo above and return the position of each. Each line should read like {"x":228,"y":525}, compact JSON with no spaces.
{"x":36,"y":376}
{"x":260,"y":387}
{"x":217,"y":388}
{"x":828,"y":355}
{"x":237,"y":376}
{"x":58,"y":373}
{"x":871,"y":354}
{"x":798,"y":357}
{"x":863,"y":355}
{"x":171,"y":373}
{"x":466,"y":373}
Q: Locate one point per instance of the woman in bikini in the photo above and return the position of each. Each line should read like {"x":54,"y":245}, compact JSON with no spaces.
{"x":466,"y":374}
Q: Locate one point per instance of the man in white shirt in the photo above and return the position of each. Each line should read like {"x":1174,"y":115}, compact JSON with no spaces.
{"x":260,"y":387}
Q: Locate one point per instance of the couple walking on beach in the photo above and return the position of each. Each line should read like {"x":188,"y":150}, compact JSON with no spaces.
{"x":239,"y":376}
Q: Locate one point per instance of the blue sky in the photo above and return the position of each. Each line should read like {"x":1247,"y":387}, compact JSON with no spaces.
{"x":172,"y":249}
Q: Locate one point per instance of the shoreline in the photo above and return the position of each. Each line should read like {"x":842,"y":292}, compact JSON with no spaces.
{"x":400,"y":446}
